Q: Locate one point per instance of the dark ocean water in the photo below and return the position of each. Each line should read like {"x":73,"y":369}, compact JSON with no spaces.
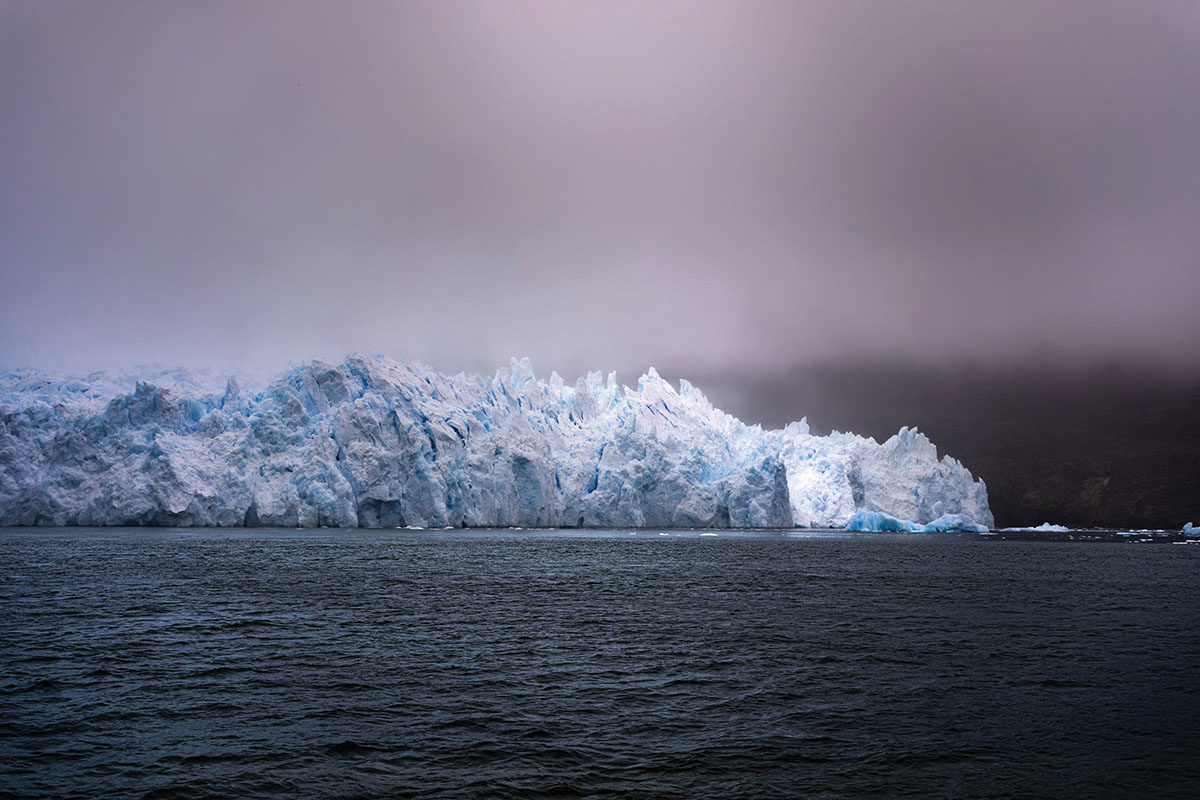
{"x":203,"y":663}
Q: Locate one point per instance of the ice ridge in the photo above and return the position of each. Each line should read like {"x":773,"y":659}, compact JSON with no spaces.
{"x":378,"y":443}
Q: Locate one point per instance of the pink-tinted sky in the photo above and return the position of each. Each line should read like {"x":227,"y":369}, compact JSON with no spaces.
{"x":695,"y":185}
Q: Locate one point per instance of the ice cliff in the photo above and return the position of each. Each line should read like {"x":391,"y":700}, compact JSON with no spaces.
{"x":376,"y":443}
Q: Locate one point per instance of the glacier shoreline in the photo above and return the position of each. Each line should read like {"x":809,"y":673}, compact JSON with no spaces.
{"x":374,"y":442}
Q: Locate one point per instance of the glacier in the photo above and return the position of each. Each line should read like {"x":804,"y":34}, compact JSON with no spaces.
{"x":374,"y":442}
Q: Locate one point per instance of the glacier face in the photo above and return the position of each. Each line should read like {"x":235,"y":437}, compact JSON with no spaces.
{"x":378,"y":443}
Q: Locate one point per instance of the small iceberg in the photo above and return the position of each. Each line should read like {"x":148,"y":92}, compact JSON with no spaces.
{"x":877,"y":521}
{"x":959,"y":523}
{"x":1045,"y":526}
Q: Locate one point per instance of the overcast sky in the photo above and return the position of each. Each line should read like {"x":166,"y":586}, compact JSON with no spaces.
{"x":694,"y":185}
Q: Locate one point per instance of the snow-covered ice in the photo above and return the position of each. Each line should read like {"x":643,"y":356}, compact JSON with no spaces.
{"x":377,"y":443}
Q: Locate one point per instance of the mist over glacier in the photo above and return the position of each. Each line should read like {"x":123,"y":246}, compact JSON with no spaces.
{"x":374,"y":442}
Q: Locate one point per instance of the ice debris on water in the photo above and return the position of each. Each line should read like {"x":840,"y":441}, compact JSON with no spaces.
{"x":879,"y":521}
{"x":954,"y":522}
{"x":1045,"y":527}
{"x":378,"y":443}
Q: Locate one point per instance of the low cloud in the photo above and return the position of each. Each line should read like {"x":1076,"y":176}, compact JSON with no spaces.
{"x":698,"y":186}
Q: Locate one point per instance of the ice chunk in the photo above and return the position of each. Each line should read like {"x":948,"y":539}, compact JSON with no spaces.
{"x":1045,"y":526}
{"x":954,"y":522}
{"x":878,"y":521}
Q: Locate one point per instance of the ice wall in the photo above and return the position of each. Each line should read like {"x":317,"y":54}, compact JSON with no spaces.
{"x":377,"y":443}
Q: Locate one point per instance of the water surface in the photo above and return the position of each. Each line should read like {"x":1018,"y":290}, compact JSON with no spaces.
{"x":204,"y":663}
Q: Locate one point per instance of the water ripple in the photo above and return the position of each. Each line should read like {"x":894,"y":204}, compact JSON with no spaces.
{"x":169,"y":664}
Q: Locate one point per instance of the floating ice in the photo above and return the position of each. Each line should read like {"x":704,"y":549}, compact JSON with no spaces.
{"x":1045,"y":526}
{"x":954,"y":522}
{"x":377,"y":443}
{"x":878,"y":521}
